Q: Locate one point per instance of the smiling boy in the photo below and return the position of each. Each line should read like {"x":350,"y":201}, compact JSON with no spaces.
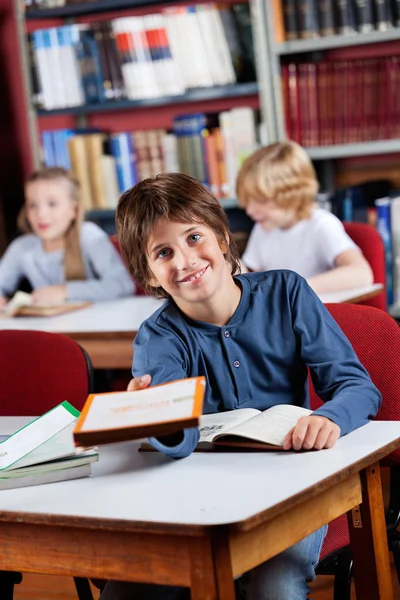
{"x":252,"y":336}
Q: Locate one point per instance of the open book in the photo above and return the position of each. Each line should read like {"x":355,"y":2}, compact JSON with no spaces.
{"x":44,"y":451}
{"x":21,"y":304}
{"x":156,"y":411}
{"x":246,"y":428}
{"x":249,"y":427}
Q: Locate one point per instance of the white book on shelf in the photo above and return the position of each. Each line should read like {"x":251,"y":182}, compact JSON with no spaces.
{"x":169,"y":144}
{"x":66,"y":73}
{"x":71,"y":37}
{"x":165,"y":66}
{"x":224,"y":52}
{"x":149,"y":87}
{"x":56,"y":68}
{"x":229,"y":151}
{"x":109,"y":172}
{"x":44,"y":71}
{"x":177,"y":44}
{"x":194,"y":52}
{"x":244,"y":132}
{"x":129,"y":66}
{"x":211,"y":44}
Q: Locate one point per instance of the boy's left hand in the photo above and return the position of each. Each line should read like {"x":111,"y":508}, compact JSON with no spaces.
{"x":312,"y":433}
{"x":50,"y":294}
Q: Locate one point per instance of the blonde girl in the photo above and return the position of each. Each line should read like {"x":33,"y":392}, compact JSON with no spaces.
{"x":62,"y":257}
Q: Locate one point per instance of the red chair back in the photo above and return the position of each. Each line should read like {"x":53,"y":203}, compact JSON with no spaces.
{"x":39,"y":370}
{"x":371,"y":245}
{"x":115,"y":242}
{"x":375,"y":337}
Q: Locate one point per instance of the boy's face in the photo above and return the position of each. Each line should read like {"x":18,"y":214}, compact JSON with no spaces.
{"x":269,"y":215}
{"x":186,"y":260}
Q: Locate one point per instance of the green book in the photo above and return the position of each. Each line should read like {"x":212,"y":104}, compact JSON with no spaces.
{"x":44,"y":451}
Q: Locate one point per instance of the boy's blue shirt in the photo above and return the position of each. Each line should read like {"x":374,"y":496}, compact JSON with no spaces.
{"x":261,"y":357}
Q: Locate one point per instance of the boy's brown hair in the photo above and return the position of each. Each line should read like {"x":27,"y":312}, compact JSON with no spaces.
{"x":281,"y":172}
{"x":73,"y":263}
{"x":173,"y":196}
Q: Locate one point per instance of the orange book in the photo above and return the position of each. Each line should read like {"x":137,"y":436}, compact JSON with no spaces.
{"x":155,"y":411}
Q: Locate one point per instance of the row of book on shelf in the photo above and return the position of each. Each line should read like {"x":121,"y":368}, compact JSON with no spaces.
{"x":155,"y":55}
{"x":334,"y":102}
{"x":210,"y":148}
{"x":314,"y":18}
{"x":362,"y":204}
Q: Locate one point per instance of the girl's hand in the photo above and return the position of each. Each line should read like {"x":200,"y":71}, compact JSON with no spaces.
{"x":139,"y":383}
{"x":3,"y":301}
{"x":50,"y":294}
{"x":312,"y":433}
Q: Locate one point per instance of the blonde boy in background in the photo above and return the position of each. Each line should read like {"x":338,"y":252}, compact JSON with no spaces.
{"x":277,"y":186}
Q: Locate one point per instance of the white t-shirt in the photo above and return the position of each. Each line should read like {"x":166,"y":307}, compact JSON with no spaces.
{"x":308,"y":248}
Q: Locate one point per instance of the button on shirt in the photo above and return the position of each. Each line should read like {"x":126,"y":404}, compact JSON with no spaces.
{"x":260,"y":358}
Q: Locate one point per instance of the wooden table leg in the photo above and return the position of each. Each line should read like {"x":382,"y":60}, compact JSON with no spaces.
{"x":368,"y":540}
{"x":211,"y":572}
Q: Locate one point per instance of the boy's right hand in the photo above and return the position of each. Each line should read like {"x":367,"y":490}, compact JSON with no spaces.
{"x":139,"y":383}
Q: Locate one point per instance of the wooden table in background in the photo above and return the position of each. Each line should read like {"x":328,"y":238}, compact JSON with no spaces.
{"x":201,"y":521}
{"x":106,"y":330}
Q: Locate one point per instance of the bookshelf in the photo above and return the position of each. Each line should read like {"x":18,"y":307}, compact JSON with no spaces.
{"x":123,"y":114}
{"x":352,"y":47}
{"x":239,"y":90}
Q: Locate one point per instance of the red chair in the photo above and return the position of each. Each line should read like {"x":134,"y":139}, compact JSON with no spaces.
{"x":38,"y":371}
{"x":115,"y":242}
{"x":375,"y":337}
{"x":371,"y":245}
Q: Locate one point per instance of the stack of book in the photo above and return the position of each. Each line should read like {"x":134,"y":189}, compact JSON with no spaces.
{"x":336,"y":102}
{"x":44,"y":451}
{"x":209,"y":147}
{"x":156,"y":55}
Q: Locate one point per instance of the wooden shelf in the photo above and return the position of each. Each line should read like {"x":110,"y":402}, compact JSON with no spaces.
{"x":358,"y":149}
{"x":202,"y":94}
{"x":87,"y":8}
{"x":105,"y":214}
{"x":336,"y":41}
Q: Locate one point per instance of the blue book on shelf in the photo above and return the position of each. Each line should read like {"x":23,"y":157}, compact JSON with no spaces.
{"x":384,"y":228}
{"x":122,"y":149}
{"x":49,"y":156}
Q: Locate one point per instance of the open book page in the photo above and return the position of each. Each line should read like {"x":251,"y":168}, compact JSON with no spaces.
{"x":268,"y":427}
{"x":218,"y":423}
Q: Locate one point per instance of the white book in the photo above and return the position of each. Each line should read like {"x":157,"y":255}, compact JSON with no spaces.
{"x":109,"y":171}
{"x":247,"y":428}
{"x":44,"y":70}
{"x":166,"y":69}
{"x":223,"y":47}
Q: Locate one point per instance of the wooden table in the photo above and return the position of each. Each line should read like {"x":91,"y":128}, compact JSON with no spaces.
{"x":106,"y":330}
{"x":201,"y":521}
{"x":353,"y":295}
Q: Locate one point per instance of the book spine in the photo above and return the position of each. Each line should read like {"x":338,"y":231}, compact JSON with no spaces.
{"x":384,"y":228}
{"x":344,"y":21}
{"x":307,"y":18}
{"x":383,"y":17}
{"x":289,"y":16}
{"x":325,"y":17}
{"x":364,"y":18}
